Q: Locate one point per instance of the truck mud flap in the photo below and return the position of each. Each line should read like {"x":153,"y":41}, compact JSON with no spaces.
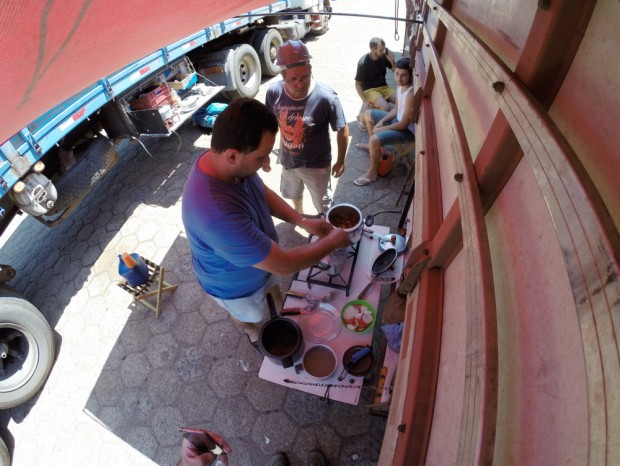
{"x":98,"y":158}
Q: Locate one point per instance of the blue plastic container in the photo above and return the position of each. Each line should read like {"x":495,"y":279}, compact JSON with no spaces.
{"x":216,"y":108}
{"x":137,"y":275}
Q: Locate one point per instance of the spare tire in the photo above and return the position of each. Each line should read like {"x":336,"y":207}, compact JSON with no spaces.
{"x":26,"y":350}
{"x":266,"y":43}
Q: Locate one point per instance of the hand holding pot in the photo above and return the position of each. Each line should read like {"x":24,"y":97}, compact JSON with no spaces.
{"x":339,"y":238}
{"x":316,"y":226}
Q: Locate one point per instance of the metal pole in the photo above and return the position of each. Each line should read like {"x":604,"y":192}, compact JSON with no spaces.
{"x":323,"y":13}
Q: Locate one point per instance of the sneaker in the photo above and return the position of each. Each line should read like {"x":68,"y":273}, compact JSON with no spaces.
{"x":363,"y":181}
{"x":279,"y":459}
{"x":315,"y":458}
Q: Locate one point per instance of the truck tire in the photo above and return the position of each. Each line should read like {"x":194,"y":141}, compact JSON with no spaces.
{"x":246,"y":71}
{"x":95,"y":162}
{"x":266,"y":43}
{"x":323,"y":26}
{"x":5,"y":457}
{"x":27,"y":348}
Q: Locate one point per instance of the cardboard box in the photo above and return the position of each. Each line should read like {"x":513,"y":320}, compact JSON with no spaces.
{"x":182,"y":81}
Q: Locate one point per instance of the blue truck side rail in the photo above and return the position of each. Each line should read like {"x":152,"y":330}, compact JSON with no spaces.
{"x":33,"y":141}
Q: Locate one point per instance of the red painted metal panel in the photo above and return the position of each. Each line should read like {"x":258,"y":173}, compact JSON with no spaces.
{"x":553,"y":246}
{"x":52,"y":50}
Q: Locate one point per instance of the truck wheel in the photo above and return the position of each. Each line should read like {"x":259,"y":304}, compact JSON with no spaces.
{"x":266,"y":43}
{"x":5,"y":458}
{"x":246,"y":72}
{"x":323,"y":22}
{"x":26,"y":350}
{"x":95,"y":162}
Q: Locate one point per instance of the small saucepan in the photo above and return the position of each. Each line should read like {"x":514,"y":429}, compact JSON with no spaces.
{"x":383,"y":262}
{"x":280,"y":339}
{"x":357,"y":360}
{"x":319,"y":361}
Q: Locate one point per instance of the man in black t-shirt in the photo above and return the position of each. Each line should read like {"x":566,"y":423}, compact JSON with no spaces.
{"x":370,"y":80}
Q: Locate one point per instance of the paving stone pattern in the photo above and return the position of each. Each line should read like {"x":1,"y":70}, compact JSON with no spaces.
{"x":123,"y":381}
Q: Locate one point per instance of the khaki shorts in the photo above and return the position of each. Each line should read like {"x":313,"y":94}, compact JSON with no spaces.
{"x":251,"y":308}
{"x":373,"y":94}
{"x":317,"y":180}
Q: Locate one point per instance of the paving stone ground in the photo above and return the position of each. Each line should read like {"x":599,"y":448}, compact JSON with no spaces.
{"x":123,"y":381}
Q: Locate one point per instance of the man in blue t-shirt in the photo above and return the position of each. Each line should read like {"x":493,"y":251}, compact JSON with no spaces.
{"x":306,"y":109}
{"x":227,"y":212}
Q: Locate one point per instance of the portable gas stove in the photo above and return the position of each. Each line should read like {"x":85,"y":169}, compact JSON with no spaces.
{"x":315,"y":275}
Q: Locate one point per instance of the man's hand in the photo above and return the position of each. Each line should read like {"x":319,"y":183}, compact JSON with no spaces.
{"x":338,"y":169}
{"x":390,"y":57}
{"x":192,"y":456}
{"x":339,"y":237}
{"x":317,"y":226}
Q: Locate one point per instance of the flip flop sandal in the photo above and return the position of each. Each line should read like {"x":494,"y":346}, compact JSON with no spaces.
{"x":361,"y":147}
{"x":363,"y":181}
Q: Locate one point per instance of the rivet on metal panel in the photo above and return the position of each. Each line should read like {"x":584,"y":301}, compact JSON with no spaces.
{"x":458,"y":177}
{"x":544,"y":4}
{"x":401,"y":427}
{"x":498,"y":86}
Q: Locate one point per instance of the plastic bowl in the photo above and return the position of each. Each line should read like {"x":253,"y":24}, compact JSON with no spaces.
{"x":189,"y":103}
{"x":352,"y":316}
{"x":321,"y":324}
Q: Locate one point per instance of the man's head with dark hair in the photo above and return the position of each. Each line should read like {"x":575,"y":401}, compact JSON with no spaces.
{"x":404,"y":65}
{"x":241,"y":126}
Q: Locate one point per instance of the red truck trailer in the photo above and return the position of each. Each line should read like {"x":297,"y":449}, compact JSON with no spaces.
{"x":510,"y":354}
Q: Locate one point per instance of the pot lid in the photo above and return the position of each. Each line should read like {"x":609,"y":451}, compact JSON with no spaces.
{"x":392,"y":241}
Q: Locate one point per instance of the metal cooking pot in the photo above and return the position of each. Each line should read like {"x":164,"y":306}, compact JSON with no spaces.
{"x":280,"y":339}
{"x":349,"y":218}
{"x":319,"y":361}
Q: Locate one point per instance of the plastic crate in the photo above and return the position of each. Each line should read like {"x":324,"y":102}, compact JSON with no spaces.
{"x":153,"y":99}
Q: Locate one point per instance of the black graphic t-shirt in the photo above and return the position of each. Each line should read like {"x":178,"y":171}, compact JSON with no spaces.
{"x":304,"y":124}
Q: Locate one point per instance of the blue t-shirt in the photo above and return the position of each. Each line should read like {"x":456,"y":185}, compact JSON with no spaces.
{"x":304,"y":124}
{"x":229,"y":229}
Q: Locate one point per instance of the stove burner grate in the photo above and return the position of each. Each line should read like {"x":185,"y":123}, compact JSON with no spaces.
{"x":341,"y":281}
